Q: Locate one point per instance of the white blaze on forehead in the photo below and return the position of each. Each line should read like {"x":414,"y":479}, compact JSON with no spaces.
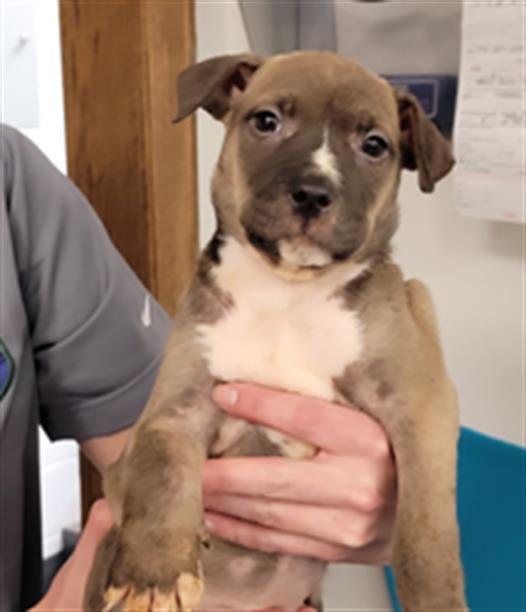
{"x":325,"y":160}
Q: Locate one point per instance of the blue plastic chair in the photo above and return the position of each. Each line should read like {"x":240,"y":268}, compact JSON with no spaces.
{"x":492,"y":517}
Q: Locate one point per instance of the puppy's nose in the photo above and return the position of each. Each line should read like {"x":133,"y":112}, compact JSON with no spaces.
{"x":310,"y":200}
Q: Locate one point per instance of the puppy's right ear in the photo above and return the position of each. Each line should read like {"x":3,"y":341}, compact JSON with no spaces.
{"x":423,"y":147}
{"x":212,"y":84}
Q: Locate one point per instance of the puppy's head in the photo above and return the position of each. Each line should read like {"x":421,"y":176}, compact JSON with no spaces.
{"x":312,"y":155}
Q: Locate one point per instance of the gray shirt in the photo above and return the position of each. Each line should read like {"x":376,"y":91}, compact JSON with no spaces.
{"x":80,"y":343}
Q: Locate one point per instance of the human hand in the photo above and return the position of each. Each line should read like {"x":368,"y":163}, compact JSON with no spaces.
{"x":338,"y":506}
{"x":67,"y":589}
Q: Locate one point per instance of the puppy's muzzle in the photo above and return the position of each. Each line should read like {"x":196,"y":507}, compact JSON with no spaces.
{"x":309,"y":198}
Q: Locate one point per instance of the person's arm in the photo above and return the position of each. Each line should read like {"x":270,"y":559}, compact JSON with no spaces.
{"x":104,"y":450}
{"x":97,"y":334}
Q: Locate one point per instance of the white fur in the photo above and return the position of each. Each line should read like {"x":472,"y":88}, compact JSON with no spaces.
{"x":292,"y":335}
{"x":289,"y":447}
{"x":301,"y":252}
{"x":325,"y":160}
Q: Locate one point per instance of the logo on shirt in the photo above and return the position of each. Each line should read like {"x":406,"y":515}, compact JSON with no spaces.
{"x":146,"y":314}
{"x":7,"y":369}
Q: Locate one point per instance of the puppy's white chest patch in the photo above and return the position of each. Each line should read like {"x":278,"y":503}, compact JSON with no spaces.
{"x":296,"y":336}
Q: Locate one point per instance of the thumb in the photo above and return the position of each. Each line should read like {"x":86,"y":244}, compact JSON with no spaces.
{"x":100,"y":521}
{"x":67,"y":589}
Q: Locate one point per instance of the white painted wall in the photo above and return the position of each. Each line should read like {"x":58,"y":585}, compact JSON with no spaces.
{"x":59,"y":475}
{"x":49,"y":134}
{"x":474,"y":268}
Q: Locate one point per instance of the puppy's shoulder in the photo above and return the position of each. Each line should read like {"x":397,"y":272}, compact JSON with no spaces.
{"x":205,"y":302}
{"x":381,"y":285}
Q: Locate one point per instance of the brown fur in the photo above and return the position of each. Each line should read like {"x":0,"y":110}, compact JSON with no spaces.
{"x":403,"y":383}
{"x":400,"y":380}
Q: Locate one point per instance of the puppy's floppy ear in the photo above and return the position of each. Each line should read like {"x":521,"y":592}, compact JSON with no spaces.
{"x":423,"y":147}
{"x":212,"y":84}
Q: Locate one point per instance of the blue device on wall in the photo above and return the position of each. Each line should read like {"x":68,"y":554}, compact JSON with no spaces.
{"x":436,"y":93}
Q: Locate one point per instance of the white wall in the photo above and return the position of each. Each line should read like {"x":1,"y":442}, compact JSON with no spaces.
{"x":59,"y":475}
{"x":49,"y":134}
{"x":474,"y":268}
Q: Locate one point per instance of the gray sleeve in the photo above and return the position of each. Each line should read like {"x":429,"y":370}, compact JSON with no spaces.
{"x":97,"y":334}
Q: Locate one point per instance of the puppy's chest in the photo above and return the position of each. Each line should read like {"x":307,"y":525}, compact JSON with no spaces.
{"x":289,"y":335}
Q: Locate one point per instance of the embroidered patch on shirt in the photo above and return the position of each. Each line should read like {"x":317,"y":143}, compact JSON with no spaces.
{"x":7,"y":369}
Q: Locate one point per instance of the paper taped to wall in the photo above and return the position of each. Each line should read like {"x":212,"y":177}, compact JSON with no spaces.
{"x":490,"y":119}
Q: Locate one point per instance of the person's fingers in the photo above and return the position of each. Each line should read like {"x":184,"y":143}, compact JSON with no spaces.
{"x":66,"y":590}
{"x":340,"y":526}
{"x":282,"y":610}
{"x":78,"y":566}
{"x":347,"y":482}
{"x":331,"y":427}
{"x":268,"y":540}
{"x":100,"y":520}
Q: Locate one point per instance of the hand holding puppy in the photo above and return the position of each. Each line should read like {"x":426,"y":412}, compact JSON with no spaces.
{"x":338,"y":506}
{"x":67,"y":589}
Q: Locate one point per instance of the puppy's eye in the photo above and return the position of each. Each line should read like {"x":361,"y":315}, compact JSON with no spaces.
{"x":375,"y":146}
{"x":266,"y":122}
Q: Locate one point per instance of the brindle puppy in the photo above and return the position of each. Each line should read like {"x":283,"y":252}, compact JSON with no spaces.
{"x":297,"y":291}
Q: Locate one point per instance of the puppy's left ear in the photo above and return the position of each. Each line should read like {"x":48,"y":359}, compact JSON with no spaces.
{"x":214,"y":83}
{"x":423,"y":147}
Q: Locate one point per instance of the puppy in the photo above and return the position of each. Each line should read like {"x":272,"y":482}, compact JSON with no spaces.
{"x":296,"y":291}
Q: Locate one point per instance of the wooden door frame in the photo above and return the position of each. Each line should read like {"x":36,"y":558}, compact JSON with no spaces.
{"x":138,"y":170}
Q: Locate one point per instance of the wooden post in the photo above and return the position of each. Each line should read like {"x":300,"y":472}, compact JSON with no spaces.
{"x":120,"y":63}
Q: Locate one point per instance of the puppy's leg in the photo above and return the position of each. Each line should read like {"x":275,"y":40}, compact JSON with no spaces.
{"x":151,"y":560}
{"x":426,"y":556}
{"x":405,"y":386}
{"x":426,"y":547}
{"x":315,"y":600}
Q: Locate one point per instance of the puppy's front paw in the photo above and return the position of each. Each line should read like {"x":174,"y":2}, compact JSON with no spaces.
{"x":185,"y":595}
{"x":161,"y":574}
